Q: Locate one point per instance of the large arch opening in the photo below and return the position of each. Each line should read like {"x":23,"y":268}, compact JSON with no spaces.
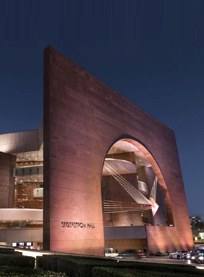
{"x":134,"y":195}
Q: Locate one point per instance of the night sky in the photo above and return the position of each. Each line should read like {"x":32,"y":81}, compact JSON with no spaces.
{"x":151,"y":52}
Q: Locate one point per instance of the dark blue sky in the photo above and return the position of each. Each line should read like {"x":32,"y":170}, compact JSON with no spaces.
{"x":151,"y":52}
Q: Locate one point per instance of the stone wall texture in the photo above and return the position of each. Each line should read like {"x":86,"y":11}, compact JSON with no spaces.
{"x":82,"y":119}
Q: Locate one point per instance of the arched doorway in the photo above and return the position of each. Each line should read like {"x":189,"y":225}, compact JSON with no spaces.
{"x":134,"y":195}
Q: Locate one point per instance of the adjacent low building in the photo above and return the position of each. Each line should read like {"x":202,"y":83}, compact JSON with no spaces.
{"x":21,"y":184}
{"x":100,"y":173}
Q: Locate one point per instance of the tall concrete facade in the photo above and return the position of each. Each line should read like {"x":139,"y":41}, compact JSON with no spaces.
{"x":83,"y":118}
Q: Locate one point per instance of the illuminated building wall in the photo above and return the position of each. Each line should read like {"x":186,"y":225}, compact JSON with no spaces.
{"x":83,"y":118}
{"x":21,"y":183}
{"x":93,"y":173}
{"x":7,"y":163}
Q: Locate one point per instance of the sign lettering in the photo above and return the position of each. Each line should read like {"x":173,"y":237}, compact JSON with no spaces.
{"x":73,"y":224}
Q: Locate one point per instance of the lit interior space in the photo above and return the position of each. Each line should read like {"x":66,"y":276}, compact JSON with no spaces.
{"x":132,"y":196}
{"x":21,"y":221}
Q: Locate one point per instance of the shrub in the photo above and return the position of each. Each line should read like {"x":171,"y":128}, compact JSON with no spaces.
{"x":82,"y":266}
{"x":73,"y":266}
{"x":47,"y":262}
{"x":7,"y":250}
{"x":17,"y":260}
{"x":115,"y":272}
{"x":39,"y":262}
{"x":12,"y":271}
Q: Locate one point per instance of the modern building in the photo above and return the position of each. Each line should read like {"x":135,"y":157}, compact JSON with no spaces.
{"x":100,"y":173}
{"x":197,"y":225}
{"x":21,"y":185}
